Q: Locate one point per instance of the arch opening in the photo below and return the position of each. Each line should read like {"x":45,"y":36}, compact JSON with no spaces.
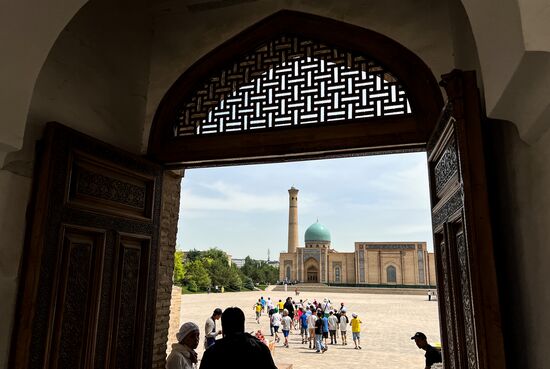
{"x":391,"y":274}
{"x":337,"y":274}
{"x":296,"y":75}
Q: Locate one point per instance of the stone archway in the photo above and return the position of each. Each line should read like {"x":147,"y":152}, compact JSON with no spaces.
{"x":194,"y":128}
{"x":283,"y":37}
{"x":396,"y":67}
{"x":391,"y":274}
{"x":311,"y":268}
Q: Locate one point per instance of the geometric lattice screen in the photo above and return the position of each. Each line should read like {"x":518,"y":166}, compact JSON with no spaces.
{"x":291,"y":82}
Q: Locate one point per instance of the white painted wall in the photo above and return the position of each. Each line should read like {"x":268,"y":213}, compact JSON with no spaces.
{"x":535,"y":18}
{"x":513,"y":42}
{"x":28,"y":29}
{"x":95,"y":78}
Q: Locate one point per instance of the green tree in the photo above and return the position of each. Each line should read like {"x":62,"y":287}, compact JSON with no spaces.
{"x":235,"y":280}
{"x":179,"y":268}
{"x":216,"y":254}
{"x":192,"y":286}
{"x":259,"y":271}
{"x":198,"y":274}
{"x":193,"y":255}
{"x":248,"y":284}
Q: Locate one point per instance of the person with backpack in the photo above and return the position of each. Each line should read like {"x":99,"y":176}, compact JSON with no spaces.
{"x":303,"y":325}
{"x":343,"y":324}
{"x":270,"y":314}
{"x":332,"y":327}
{"x":325,"y":328}
{"x":319,"y":345}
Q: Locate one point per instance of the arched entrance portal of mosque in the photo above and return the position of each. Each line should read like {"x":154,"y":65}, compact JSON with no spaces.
{"x":311,"y":266}
{"x":312,"y":275}
{"x":293,"y":86}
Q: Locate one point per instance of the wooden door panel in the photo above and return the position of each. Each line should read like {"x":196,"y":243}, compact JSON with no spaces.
{"x":80,"y":270}
{"x":88,"y":289}
{"x":101,"y":186}
{"x":462,"y":232}
{"x":133,"y":255}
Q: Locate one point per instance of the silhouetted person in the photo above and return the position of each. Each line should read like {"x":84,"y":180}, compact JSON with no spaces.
{"x":432,"y":354}
{"x":237,"y":349}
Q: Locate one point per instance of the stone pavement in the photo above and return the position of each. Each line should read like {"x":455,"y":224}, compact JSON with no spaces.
{"x":388,"y":323}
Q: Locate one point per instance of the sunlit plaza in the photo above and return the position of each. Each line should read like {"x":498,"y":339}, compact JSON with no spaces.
{"x":388,"y":322}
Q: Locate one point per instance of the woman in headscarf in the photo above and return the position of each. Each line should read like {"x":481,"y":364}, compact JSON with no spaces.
{"x":183,"y":355}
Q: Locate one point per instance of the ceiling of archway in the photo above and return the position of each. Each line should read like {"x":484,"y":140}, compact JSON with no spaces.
{"x":290,"y":81}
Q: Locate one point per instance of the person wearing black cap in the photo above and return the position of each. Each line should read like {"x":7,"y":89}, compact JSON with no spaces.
{"x":237,"y":349}
{"x":432,"y":354}
{"x":210,"y":328}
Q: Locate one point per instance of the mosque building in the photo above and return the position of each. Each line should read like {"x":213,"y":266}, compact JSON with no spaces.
{"x":371,"y":263}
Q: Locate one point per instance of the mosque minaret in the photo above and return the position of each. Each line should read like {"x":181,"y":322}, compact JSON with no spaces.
{"x":293,"y":240}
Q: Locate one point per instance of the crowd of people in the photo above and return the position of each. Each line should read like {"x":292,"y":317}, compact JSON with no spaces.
{"x":316,"y":321}
{"x":235,"y":347}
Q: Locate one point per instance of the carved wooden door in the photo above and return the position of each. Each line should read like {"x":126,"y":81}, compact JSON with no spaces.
{"x":88,"y":286}
{"x":466,"y":277}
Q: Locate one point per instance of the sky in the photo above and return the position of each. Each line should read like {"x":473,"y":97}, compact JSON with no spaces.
{"x":243,"y":210}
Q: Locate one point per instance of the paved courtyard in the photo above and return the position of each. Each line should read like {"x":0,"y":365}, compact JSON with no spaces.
{"x":388,"y":323}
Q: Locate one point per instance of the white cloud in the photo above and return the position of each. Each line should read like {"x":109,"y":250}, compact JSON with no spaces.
{"x":222,"y":196}
{"x":379,"y":198}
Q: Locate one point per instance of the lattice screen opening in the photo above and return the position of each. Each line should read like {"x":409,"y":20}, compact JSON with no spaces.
{"x":305,"y":83}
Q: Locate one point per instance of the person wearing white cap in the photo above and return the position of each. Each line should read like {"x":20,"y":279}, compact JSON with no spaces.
{"x":183,"y":355}
{"x":327,"y":307}
{"x":356,"y":330}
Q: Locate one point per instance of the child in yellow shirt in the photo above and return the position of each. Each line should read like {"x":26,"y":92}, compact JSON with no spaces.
{"x":356,"y":330}
{"x":258,"y":308}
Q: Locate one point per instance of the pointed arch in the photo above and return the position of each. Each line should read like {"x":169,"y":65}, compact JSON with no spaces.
{"x":337,"y":274}
{"x":198,"y":101}
{"x":311,"y":268}
{"x":391,"y":274}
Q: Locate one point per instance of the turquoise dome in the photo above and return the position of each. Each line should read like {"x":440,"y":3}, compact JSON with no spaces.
{"x":317,"y":232}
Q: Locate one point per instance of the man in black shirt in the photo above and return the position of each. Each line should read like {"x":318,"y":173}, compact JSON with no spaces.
{"x":237,"y":349}
{"x":432,"y":354}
